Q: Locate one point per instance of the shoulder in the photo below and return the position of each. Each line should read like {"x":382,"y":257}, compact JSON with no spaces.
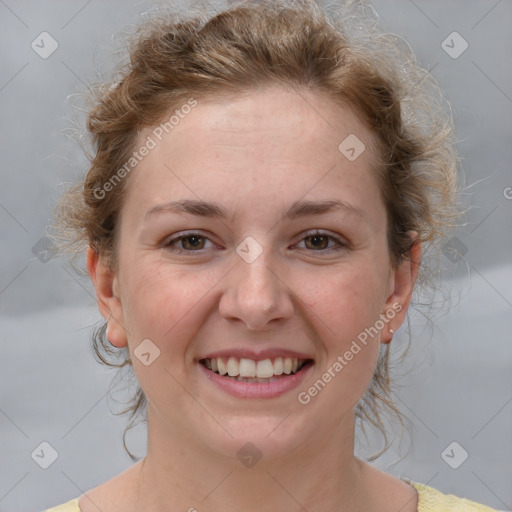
{"x":432,"y":500}
{"x":70,"y":506}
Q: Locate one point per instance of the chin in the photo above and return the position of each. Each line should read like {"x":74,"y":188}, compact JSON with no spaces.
{"x":261,"y":438}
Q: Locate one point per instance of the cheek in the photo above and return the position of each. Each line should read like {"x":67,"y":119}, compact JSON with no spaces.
{"x":161,"y":306}
{"x":162,"y":302}
{"x":347,"y":310}
{"x":346,"y":301}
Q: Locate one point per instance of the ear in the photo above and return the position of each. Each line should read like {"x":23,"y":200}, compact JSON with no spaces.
{"x":106,"y":284}
{"x":402,"y":281}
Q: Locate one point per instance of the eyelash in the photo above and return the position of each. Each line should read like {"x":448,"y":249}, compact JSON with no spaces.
{"x":340,"y":244}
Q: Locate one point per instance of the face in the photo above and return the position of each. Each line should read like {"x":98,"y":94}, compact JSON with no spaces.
{"x":249,"y":241}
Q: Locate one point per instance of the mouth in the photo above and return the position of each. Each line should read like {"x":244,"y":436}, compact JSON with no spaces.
{"x":250,"y":371}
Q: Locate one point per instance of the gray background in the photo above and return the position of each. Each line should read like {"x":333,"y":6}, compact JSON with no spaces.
{"x":460,"y":386}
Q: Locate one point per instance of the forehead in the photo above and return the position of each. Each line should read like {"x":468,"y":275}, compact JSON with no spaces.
{"x":262,"y":143}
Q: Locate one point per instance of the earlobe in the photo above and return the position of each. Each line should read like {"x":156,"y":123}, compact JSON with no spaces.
{"x":105,"y":283}
{"x":402,"y":284}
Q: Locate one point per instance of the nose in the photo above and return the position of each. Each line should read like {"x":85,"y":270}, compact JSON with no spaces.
{"x":256,"y":294}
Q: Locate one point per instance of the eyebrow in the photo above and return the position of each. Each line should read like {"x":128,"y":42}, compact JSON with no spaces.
{"x":298,"y":209}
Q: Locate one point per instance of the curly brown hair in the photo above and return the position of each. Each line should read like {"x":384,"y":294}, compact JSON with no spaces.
{"x":342,"y":56}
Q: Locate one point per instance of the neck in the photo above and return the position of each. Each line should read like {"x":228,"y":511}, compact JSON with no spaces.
{"x":321,"y":475}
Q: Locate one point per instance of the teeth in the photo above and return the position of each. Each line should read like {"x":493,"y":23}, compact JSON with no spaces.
{"x":278,"y":366}
{"x":255,"y":370}
{"x":264,"y":369}
{"x":221,"y":366}
{"x":233,"y":367}
{"x":253,"y":380}
{"x":247,"y":368}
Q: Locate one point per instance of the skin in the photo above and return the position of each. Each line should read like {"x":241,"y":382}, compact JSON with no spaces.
{"x":254,"y":154}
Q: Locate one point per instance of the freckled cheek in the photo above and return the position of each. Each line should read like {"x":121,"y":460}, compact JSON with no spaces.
{"x":347,"y":304}
{"x":159,"y":303}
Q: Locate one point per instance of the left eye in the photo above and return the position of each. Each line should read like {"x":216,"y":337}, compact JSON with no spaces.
{"x":320,"y":241}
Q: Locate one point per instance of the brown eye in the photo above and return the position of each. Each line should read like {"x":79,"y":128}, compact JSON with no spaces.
{"x":187,"y":243}
{"x":317,"y":241}
{"x":192,"y":242}
{"x":322,"y":243}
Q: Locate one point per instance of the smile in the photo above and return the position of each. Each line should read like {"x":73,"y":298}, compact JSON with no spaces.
{"x":246,"y":369}
{"x":248,"y":378}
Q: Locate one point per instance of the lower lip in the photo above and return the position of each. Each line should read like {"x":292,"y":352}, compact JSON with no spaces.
{"x":257,"y":389}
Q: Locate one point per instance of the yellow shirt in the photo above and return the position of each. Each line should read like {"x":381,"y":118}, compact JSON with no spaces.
{"x":429,"y":500}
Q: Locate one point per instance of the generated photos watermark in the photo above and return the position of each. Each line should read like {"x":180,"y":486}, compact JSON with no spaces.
{"x":305,"y":397}
{"x":150,"y":143}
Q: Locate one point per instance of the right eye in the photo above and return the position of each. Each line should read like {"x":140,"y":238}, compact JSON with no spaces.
{"x":190,"y":242}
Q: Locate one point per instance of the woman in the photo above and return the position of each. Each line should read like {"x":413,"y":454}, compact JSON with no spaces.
{"x":262,"y":190}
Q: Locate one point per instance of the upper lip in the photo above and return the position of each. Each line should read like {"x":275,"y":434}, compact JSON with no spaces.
{"x":260,"y":355}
